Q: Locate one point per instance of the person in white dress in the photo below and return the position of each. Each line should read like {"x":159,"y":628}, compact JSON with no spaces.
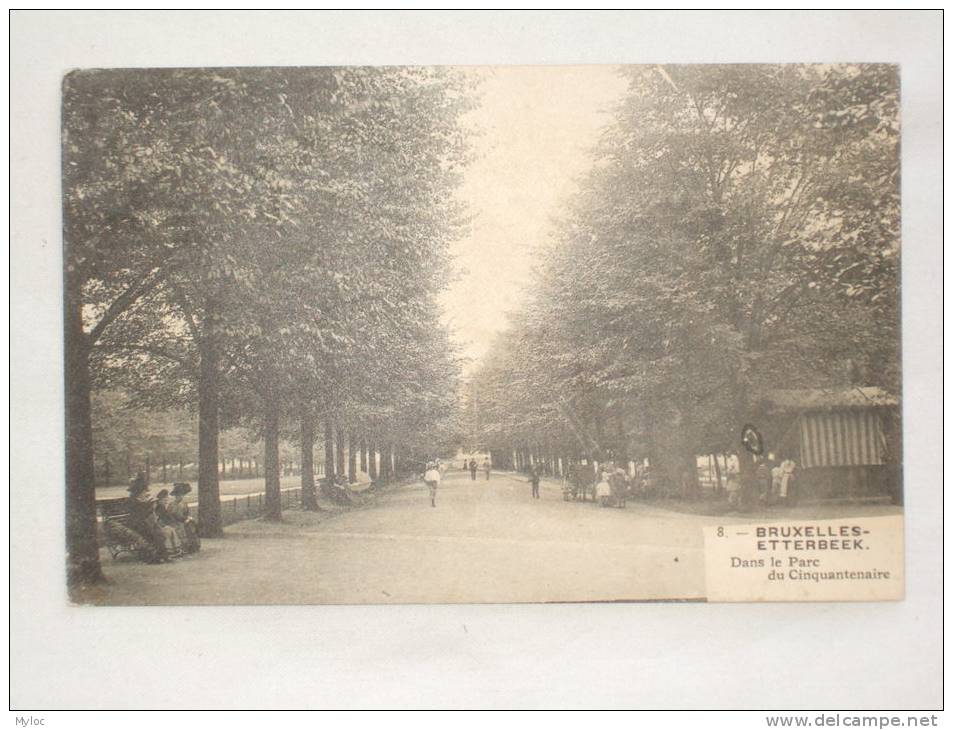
{"x":787,"y":475}
{"x":432,"y":478}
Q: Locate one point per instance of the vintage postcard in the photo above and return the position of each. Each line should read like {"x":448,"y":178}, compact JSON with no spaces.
{"x":359,"y":335}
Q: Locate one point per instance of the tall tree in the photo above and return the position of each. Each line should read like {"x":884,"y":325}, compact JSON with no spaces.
{"x":739,"y":231}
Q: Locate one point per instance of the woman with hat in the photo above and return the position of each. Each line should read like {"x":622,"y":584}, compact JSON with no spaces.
{"x":173,"y":530}
{"x":143,"y":520}
{"x":178,"y":511}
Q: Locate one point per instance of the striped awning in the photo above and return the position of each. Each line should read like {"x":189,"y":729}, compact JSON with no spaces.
{"x":841,"y":438}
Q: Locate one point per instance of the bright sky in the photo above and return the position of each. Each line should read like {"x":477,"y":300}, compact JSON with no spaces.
{"x":535,"y":127}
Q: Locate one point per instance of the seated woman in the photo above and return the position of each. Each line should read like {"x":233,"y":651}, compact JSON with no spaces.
{"x":143,"y":521}
{"x":178,"y":512}
{"x":170,"y":528}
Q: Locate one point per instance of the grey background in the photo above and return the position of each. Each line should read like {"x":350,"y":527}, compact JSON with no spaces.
{"x":884,"y":655}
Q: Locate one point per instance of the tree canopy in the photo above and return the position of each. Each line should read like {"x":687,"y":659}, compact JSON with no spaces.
{"x":738,"y":231}
{"x":261,"y":246}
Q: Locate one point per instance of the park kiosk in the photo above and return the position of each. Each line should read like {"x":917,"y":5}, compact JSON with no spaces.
{"x":845,"y":440}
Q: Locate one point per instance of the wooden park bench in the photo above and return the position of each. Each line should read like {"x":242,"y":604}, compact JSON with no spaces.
{"x":341,"y":494}
{"x":116,"y":533}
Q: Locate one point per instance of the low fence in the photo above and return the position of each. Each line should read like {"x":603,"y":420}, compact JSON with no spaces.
{"x":238,"y":507}
{"x":247,"y":506}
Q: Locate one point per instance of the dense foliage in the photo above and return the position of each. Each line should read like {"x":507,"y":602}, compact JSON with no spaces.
{"x":263,"y":247}
{"x":739,"y":231}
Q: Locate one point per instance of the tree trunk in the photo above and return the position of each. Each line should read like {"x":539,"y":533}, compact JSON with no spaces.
{"x":272,"y":467}
{"x":340,"y":468}
{"x":309,"y":495}
{"x":210,"y":508}
{"x":328,"y":452}
{"x":692,"y":487}
{"x":718,"y":485}
{"x":600,"y":434}
{"x":364,"y":455}
{"x":746,"y":464}
{"x":82,"y":543}
{"x":372,"y":461}
{"x":385,"y":463}
{"x":622,"y":439}
{"x":351,"y":458}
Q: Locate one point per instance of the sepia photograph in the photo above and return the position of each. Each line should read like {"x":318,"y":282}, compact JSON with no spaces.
{"x":476,"y":360}
{"x":428,"y":334}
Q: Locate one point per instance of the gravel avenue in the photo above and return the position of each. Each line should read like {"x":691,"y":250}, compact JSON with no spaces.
{"x":485,"y":542}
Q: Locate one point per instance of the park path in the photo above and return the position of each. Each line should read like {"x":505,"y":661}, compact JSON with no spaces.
{"x":486,"y":541}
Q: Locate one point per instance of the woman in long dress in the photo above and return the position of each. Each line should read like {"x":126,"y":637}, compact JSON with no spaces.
{"x":170,"y":528}
{"x":178,"y":511}
{"x":144,"y":521}
{"x":787,"y":476}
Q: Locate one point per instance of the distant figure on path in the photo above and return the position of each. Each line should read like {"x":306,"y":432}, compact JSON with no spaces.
{"x":432,"y":478}
{"x":534,"y":473}
{"x":473,"y":469}
{"x":486,"y":468}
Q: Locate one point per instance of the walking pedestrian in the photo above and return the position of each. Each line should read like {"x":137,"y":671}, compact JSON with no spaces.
{"x":486,"y":468}
{"x":534,"y":474}
{"x":432,"y":478}
{"x":473,"y":469}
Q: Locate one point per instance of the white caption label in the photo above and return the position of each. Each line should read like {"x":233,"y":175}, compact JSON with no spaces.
{"x":850,"y":559}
